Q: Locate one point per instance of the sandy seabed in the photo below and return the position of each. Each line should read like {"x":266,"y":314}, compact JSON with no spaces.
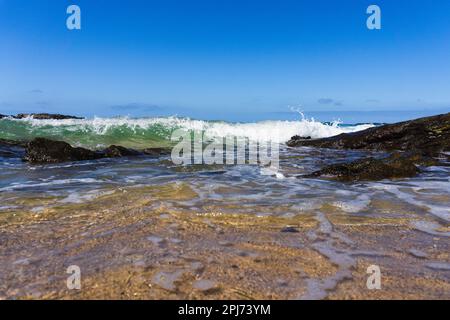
{"x":128,"y":249}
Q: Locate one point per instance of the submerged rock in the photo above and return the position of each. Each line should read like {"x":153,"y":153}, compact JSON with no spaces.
{"x":395,"y":166}
{"x":289,"y":229}
{"x":41,"y":150}
{"x":430,"y":135}
{"x":45,"y":116}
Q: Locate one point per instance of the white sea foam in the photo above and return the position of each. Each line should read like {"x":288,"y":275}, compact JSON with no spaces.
{"x":270,"y":171}
{"x":276,"y":131}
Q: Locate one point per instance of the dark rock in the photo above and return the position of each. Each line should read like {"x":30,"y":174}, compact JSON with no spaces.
{"x":157,"y":151}
{"x":419,"y":158}
{"x":296,"y":138}
{"x":41,"y":150}
{"x":429,"y":135}
{"x":395,"y":166}
{"x":45,"y":116}
{"x":3,"y":116}
{"x":118,"y":151}
{"x":289,"y":229}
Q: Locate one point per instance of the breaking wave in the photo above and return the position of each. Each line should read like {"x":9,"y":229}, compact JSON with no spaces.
{"x":99,"y":132}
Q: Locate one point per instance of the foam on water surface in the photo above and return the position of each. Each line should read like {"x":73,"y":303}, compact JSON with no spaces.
{"x":98,"y":132}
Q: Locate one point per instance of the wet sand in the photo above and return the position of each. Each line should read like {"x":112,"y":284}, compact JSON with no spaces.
{"x":128,"y":248}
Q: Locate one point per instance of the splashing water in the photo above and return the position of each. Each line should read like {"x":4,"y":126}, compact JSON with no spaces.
{"x":141,"y":132}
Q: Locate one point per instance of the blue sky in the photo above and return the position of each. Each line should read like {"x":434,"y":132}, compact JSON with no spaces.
{"x":233,"y":60}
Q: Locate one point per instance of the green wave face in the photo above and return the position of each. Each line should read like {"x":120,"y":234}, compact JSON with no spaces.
{"x":90,"y":134}
{"x":98,"y":133}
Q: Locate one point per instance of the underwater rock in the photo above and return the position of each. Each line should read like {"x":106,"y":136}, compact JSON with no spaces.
{"x":396,"y":166}
{"x":289,"y":230}
{"x":429,"y":135}
{"x":45,"y":116}
{"x":41,"y":150}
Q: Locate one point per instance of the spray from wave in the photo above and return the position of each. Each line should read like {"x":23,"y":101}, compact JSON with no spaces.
{"x":139,"y":132}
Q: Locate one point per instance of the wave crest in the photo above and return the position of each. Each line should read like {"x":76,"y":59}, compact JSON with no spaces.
{"x":151,"y":131}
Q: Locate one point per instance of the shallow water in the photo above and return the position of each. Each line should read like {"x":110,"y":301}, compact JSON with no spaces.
{"x":235,"y":188}
{"x":329,"y":226}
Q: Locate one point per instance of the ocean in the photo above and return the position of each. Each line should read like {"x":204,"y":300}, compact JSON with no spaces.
{"x":215,"y":184}
{"x":262,"y":224}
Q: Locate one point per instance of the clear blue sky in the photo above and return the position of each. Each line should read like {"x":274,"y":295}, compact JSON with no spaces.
{"x":216,"y":59}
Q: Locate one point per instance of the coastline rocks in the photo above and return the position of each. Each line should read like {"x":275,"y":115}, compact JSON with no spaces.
{"x":395,"y":166}
{"x":41,"y":150}
{"x":2,"y":116}
{"x":45,"y":116}
{"x":299,"y":138}
{"x":420,"y":140}
{"x":429,"y":135}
